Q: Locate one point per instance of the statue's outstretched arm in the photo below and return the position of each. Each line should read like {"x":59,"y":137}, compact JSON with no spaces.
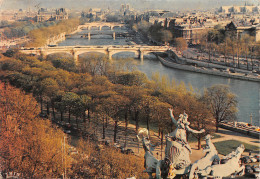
{"x":172,"y":117}
{"x":194,"y":131}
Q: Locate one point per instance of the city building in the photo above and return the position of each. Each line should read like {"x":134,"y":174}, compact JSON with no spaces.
{"x":240,"y":9}
{"x":241,"y":27}
{"x":61,"y":14}
{"x":191,"y":28}
{"x":50,"y":15}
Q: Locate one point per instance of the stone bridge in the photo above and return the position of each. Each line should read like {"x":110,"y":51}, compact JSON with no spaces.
{"x":100,"y":25}
{"x":89,"y":35}
{"x":139,"y":51}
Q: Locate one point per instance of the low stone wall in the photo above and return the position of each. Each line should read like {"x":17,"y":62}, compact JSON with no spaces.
{"x":54,"y":40}
{"x":205,"y":71}
{"x":242,"y":131}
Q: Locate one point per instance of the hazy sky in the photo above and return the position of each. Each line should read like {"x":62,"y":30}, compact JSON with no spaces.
{"x":115,"y":4}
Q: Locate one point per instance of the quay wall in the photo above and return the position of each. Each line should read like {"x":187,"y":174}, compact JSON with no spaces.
{"x":240,"y":130}
{"x":205,"y":71}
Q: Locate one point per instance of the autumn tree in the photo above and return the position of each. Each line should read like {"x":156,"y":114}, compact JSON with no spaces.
{"x":181,"y":44}
{"x":160,"y":116}
{"x":221,"y":102}
{"x":50,"y":88}
{"x":155,"y":31}
{"x":70,"y":99}
{"x":199,"y":118}
{"x":94,"y":64}
{"x":115,"y":104}
{"x":29,"y":145}
{"x":63,"y":61}
{"x":106,"y":162}
{"x":166,"y":36}
{"x":136,"y":95}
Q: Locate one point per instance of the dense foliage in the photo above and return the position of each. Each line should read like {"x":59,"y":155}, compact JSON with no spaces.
{"x":20,"y":29}
{"x":39,"y":36}
{"x":29,"y":145}
{"x":97,"y":90}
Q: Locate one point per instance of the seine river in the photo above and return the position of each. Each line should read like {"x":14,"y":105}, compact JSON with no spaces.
{"x":248,"y":93}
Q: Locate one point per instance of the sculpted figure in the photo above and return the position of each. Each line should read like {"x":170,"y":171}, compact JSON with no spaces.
{"x":150,"y":162}
{"x":177,"y":148}
{"x":211,"y":154}
{"x":231,"y":167}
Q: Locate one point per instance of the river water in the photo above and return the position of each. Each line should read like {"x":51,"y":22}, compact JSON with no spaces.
{"x":248,"y":93}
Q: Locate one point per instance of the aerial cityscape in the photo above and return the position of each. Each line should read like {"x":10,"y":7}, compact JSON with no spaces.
{"x":130,"y":89}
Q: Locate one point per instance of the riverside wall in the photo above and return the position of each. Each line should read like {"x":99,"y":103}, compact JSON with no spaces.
{"x":205,"y":71}
{"x":248,"y":132}
{"x":61,"y":37}
{"x":54,"y":40}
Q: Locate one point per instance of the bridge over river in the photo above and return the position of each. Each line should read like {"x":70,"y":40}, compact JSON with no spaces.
{"x":89,"y":35}
{"x":109,"y":50}
{"x":100,"y":25}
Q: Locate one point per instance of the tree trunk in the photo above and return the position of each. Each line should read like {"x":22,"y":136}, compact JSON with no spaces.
{"x":41,"y":101}
{"x":147,"y":121}
{"x":209,"y":54}
{"x":115,"y":130}
{"x":84,"y":117}
{"x":48,"y":108}
{"x":161,"y":143}
{"x":247,"y":65}
{"x":199,"y":142}
{"x":137,"y":121}
{"x":217,"y":126}
{"x":69,"y":115}
{"x":104,"y":129}
{"x":234,"y":61}
{"x":126,"y":120}
{"x":77,"y":122}
{"x":61,"y":115}
{"x":126,"y":125}
{"x":88,"y":115}
{"x":53,"y":111}
{"x":252,"y":62}
{"x":238,"y":60}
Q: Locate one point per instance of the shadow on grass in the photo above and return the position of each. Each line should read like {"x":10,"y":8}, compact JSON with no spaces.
{"x":225,"y":147}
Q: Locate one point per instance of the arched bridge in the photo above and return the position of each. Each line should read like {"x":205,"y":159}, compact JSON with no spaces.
{"x":89,"y":35}
{"x":140,"y":51}
{"x":100,"y":25}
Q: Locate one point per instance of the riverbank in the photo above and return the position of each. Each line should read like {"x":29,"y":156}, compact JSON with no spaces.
{"x":130,"y":141}
{"x":242,"y":128}
{"x":211,"y":71}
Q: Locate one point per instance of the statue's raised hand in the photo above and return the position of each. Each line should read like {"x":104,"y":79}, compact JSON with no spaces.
{"x":170,"y":109}
{"x":202,"y":130}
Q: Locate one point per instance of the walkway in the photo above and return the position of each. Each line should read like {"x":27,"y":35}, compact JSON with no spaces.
{"x":138,"y":150}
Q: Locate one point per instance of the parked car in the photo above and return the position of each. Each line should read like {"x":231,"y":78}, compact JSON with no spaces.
{"x":253,"y":159}
{"x":257,"y":156}
{"x":232,"y":70}
{"x":256,"y":168}
{"x":245,"y":159}
{"x":248,"y":169}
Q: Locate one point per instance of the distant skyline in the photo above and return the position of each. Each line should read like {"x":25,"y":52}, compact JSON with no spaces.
{"x":115,"y":4}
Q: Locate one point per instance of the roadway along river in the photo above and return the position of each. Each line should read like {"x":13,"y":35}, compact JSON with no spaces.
{"x":248,"y":93}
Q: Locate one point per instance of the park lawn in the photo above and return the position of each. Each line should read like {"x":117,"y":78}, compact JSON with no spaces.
{"x":225,"y":147}
{"x":192,"y":138}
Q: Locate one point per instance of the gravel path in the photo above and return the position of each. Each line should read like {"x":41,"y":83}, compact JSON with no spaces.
{"x":138,"y":150}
